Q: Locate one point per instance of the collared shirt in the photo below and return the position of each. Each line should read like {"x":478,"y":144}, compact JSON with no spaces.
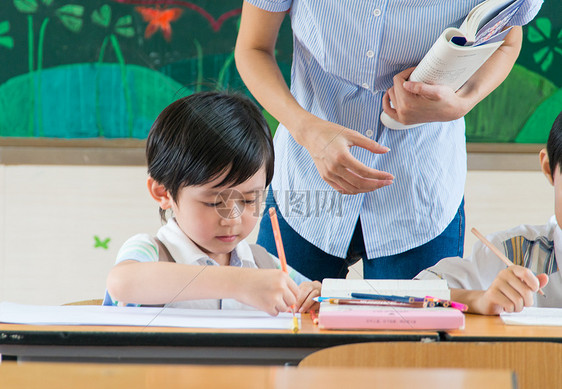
{"x":534,"y":247}
{"x":143,"y":248}
{"x":345,"y":54}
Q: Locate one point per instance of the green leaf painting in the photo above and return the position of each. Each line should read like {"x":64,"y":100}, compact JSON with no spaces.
{"x":102,"y":16}
{"x":6,"y":41}
{"x":124,"y":26}
{"x":499,"y":117}
{"x":71,"y":16}
{"x":537,"y":128}
{"x":542,"y":33}
{"x":26,"y":6}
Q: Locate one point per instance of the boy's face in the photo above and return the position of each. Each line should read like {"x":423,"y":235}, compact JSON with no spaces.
{"x":557,"y":182}
{"x":217,"y":219}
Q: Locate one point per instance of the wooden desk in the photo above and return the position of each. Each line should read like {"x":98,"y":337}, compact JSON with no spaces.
{"x":182,"y":345}
{"x":86,"y":376}
{"x":481,"y":328}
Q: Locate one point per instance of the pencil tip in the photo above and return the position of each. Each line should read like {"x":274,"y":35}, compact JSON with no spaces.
{"x":295,"y":325}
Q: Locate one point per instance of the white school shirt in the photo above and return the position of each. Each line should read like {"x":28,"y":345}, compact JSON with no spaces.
{"x":345,"y":53}
{"x":143,"y":248}
{"x":534,"y":247}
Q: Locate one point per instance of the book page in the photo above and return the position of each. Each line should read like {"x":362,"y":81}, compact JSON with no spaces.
{"x":450,"y":64}
{"x":333,"y":287}
{"x":480,"y":15}
{"x":496,"y":25}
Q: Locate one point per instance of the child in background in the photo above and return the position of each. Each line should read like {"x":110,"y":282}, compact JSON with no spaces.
{"x":484,"y":283}
{"x":210,"y":157}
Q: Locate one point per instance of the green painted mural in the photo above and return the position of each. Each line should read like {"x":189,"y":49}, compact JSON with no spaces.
{"x":106,"y":68}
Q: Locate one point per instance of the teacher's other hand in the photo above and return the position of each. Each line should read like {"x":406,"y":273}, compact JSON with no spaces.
{"x":417,"y":102}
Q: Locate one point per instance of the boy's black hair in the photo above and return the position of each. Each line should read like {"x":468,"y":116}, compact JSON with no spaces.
{"x":554,"y":145}
{"x":199,"y":137}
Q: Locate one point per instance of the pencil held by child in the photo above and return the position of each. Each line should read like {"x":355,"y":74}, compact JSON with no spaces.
{"x":497,"y":252}
{"x":282,"y":259}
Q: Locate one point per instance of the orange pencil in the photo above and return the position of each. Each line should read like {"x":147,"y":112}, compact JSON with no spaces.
{"x":314,"y":317}
{"x":496,"y":251}
{"x":282,"y":259}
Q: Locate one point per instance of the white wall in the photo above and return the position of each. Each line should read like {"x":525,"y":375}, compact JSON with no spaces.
{"x":50,"y":214}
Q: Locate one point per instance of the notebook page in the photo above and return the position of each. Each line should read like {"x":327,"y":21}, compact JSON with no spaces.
{"x":533,"y":316}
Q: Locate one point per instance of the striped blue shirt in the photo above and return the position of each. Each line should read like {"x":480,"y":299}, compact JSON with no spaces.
{"x":345,"y":53}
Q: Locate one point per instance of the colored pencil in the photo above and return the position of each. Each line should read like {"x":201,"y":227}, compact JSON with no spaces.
{"x":385,"y":297}
{"x":380,"y":303}
{"x":496,"y":251}
{"x":435,"y":302}
{"x":314,"y":317}
{"x":282,"y":259}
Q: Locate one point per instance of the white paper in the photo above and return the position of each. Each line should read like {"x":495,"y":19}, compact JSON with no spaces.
{"x":334,"y":287}
{"x":144,"y":317}
{"x":533,"y":316}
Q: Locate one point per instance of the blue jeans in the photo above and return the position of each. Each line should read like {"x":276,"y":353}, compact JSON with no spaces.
{"x":316,"y":264}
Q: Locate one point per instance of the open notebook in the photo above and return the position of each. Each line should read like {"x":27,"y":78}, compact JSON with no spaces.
{"x":534,"y":316}
{"x":141,"y":316}
{"x":349,"y":317}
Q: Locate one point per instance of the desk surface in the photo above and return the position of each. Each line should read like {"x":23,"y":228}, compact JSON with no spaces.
{"x":85,"y":376}
{"x":489,"y":328}
{"x":141,"y":344}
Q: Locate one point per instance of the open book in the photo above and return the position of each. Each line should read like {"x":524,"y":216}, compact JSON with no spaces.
{"x":363,"y":317}
{"x":459,"y":52}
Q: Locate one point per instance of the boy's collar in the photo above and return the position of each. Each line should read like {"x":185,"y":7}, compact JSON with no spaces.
{"x":557,"y":238}
{"x":185,"y":251}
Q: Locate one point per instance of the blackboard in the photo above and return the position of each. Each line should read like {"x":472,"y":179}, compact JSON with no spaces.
{"x":102,"y":69}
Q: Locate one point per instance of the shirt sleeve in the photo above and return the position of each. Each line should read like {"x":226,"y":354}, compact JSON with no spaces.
{"x":476,"y":272}
{"x":295,"y":275}
{"x":272,"y":5}
{"x":527,"y":12}
{"x":141,"y":248}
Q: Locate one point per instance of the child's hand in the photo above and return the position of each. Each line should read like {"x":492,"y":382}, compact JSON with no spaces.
{"x":307,"y":291}
{"x":513,"y":289}
{"x":269,"y":290}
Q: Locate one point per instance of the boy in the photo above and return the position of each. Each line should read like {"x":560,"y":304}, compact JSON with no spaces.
{"x":484,"y":283}
{"x":210,"y":156}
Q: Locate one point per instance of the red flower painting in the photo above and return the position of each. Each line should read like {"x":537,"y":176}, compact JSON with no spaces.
{"x":159,"y":19}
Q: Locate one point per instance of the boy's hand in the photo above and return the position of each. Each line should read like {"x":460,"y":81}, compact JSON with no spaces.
{"x":513,"y":289}
{"x":307,"y":291}
{"x":269,"y":290}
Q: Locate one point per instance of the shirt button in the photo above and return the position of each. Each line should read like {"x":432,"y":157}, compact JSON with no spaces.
{"x":369,"y":133}
{"x":365,"y":85}
{"x":370,"y":53}
{"x":377,"y":12}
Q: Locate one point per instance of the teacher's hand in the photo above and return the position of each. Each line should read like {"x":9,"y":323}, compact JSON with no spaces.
{"x":329,"y":145}
{"x":417,"y":102}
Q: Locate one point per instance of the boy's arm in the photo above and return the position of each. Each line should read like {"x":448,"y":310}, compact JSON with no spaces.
{"x":512,"y":290}
{"x":151,"y":283}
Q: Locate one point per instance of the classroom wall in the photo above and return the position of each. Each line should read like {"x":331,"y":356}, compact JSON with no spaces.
{"x":61,"y":226}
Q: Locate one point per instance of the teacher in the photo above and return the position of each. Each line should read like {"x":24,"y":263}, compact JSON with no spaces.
{"x":347,"y":187}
